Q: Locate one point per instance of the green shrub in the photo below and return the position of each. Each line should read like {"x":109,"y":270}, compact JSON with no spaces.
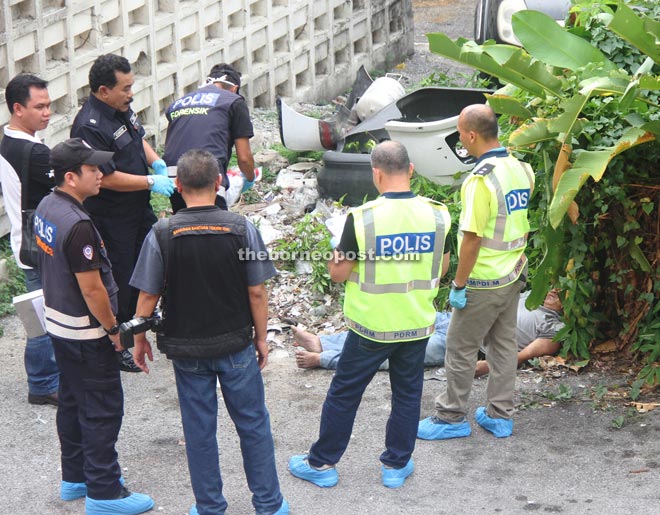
{"x":15,"y":284}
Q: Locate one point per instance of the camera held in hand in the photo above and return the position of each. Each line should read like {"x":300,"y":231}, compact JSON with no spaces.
{"x":138,"y":325}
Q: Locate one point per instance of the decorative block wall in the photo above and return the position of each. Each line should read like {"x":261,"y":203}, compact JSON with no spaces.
{"x":307,"y":50}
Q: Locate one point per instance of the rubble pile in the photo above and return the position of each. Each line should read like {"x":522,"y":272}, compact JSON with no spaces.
{"x":282,"y":201}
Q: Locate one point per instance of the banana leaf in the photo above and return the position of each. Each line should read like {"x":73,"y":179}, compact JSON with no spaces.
{"x":534,"y":77}
{"x":503,"y":104}
{"x":591,"y":163}
{"x":545,"y":40}
{"x":532,"y":133}
{"x":637,"y":29}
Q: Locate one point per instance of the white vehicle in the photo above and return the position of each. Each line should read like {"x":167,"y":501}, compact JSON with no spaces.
{"x":492,"y":18}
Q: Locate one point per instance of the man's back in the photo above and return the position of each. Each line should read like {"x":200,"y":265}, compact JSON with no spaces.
{"x":205,"y":274}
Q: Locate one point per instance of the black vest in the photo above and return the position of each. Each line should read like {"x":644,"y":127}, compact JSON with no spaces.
{"x":206,"y":308}
{"x":66,"y":312}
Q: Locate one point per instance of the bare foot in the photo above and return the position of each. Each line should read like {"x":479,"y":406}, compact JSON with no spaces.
{"x":481,"y":368}
{"x":307,"y":341}
{"x":307,"y":359}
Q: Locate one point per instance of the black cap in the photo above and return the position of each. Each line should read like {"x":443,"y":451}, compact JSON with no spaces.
{"x":72,"y":153}
{"x":226,"y":73}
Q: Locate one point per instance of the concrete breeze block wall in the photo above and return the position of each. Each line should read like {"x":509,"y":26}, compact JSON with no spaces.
{"x":307,"y":50}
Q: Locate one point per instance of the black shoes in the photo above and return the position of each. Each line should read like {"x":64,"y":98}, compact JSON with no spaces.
{"x":40,"y":400}
{"x":126,"y":363}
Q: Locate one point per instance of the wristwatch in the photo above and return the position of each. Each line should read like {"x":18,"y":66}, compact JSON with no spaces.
{"x":150,"y":182}
{"x":456,"y":286}
{"x":113,"y":330}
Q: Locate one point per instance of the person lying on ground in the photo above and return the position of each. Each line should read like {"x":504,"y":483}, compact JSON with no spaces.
{"x":535,"y":331}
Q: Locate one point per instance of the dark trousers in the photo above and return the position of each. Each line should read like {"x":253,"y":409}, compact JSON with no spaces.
{"x":89,"y":414}
{"x":123,"y":237}
{"x":357,"y":365}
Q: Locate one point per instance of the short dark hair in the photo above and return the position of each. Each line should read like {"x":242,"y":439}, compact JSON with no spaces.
{"x":18,"y":89}
{"x":197,"y":169}
{"x":390,"y":157}
{"x":102,"y":72}
{"x":481,"y":119}
{"x":59,"y":175}
{"x":223,"y":69}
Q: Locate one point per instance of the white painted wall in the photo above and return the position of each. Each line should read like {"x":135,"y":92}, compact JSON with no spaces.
{"x":307,"y":50}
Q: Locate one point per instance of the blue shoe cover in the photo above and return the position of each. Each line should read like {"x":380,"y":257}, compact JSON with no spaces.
{"x":131,"y":505}
{"x":432,"y":428}
{"x":193,"y":510}
{"x":284,"y":509}
{"x":72,"y":491}
{"x":500,"y":427}
{"x":299,"y":467}
{"x":394,"y":478}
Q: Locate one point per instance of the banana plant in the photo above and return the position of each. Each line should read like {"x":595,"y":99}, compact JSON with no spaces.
{"x":564,"y":69}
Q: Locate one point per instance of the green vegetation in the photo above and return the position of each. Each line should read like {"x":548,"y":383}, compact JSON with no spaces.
{"x":293,"y":156}
{"x":581,"y":105}
{"x":15,"y":284}
{"x":310,"y":238}
{"x":451,"y":198}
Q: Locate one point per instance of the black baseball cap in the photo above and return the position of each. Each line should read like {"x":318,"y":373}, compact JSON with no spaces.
{"x":72,"y":153}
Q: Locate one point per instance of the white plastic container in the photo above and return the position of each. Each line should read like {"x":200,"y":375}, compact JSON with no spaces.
{"x":381,"y":93}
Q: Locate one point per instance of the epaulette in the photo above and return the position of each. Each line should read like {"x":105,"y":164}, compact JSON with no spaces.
{"x":484,"y":169}
{"x":434,"y":202}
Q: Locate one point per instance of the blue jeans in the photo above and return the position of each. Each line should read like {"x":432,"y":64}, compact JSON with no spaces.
{"x":243,"y":392}
{"x":357,"y":365}
{"x":333,"y":344}
{"x":40,"y":366}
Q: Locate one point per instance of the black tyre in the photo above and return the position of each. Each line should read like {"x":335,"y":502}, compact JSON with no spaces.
{"x":348,"y":177}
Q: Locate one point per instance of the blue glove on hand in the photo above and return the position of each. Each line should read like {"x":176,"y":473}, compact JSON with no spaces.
{"x":457,"y":298}
{"x":162,"y":185}
{"x":246,"y":184}
{"x":159,"y":167}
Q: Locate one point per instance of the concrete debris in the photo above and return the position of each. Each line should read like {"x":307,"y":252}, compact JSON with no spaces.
{"x":279,"y":207}
{"x":270,"y":159}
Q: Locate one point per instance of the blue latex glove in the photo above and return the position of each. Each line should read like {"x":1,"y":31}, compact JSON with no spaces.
{"x":162,"y":185}
{"x":246,"y":184}
{"x":457,"y":298}
{"x":159,"y":167}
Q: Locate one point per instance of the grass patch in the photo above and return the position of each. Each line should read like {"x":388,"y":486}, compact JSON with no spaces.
{"x":15,"y":283}
{"x":293,"y":157}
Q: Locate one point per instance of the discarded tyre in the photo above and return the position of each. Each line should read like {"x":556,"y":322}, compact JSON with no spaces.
{"x":346,"y":176}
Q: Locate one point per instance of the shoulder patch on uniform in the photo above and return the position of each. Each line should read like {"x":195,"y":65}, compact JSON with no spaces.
{"x":484,"y":169}
{"x":88,"y":252}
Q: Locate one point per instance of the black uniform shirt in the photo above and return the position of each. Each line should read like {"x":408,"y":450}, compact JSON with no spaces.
{"x":105,"y":128}
{"x":210,"y":119}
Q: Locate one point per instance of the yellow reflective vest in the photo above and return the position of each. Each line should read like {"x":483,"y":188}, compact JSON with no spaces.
{"x":509,"y":184}
{"x":389,"y":295}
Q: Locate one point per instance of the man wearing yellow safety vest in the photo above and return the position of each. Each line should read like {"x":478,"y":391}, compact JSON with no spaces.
{"x":492,"y":270}
{"x":392,"y":255}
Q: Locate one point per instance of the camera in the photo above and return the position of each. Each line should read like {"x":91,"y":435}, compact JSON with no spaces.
{"x":137,"y":325}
